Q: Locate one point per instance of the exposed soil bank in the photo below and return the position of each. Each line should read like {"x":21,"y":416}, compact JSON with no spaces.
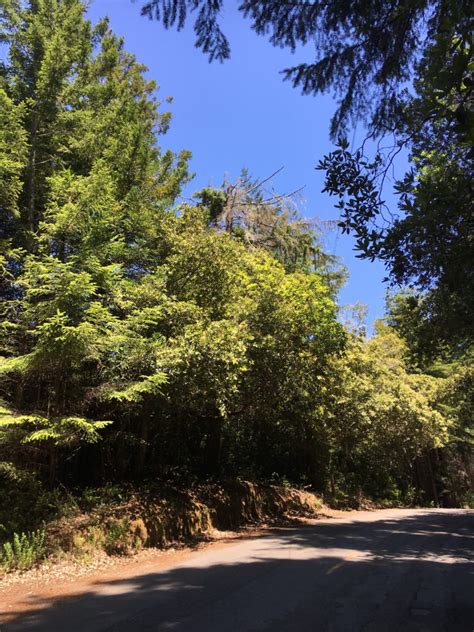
{"x":158,"y":517}
{"x":163,"y":516}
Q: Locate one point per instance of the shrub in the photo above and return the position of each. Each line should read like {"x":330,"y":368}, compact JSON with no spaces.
{"x":139,"y":533}
{"x":123,"y":536}
{"x":32,"y":502}
{"x":23,"y":551}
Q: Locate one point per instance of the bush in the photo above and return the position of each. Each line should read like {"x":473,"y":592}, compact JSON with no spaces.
{"x":23,"y":551}
{"x":124,"y":536}
{"x":32,"y":502}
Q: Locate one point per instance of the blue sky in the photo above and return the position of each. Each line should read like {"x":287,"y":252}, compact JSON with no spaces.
{"x":242,"y":114}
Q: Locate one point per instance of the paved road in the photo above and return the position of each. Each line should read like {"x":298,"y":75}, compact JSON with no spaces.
{"x":379,"y":572}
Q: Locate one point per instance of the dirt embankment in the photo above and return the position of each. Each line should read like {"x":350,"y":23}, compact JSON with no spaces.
{"x":167,"y":515}
{"x":153,"y":527}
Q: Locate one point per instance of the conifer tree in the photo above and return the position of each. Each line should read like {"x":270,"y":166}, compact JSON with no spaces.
{"x":84,"y":185}
{"x":140,"y":335}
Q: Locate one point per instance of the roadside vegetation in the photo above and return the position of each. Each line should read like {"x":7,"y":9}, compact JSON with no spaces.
{"x":145,"y":339}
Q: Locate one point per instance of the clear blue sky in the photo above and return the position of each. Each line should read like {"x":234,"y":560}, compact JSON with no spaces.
{"x":241,"y":114}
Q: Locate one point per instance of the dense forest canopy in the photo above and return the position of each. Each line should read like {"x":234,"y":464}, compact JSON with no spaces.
{"x":144,"y":337}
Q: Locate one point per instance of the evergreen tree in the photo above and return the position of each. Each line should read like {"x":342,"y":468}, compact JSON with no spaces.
{"x":140,"y":336}
{"x":85,"y":187}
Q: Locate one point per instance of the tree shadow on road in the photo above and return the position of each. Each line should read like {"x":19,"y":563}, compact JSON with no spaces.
{"x":400,"y":574}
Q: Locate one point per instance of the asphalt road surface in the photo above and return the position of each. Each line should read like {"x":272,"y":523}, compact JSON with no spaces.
{"x":381,"y":571}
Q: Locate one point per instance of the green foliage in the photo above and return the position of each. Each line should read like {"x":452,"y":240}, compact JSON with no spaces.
{"x":378,"y":418}
{"x":260,"y":219}
{"x":456,"y":401}
{"x":24,"y":551}
{"x":13,"y":154}
{"x":22,"y":490}
{"x":117,"y":536}
{"x":405,"y":70}
{"x":134,"y":393}
{"x":143,"y":339}
{"x":62,"y":431}
{"x":365,"y":52}
{"x":85,"y":201}
{"x":428,"y":243}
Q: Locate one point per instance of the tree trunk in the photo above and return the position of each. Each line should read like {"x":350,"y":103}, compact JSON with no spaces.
{"x":31,"y":183}
{"x":142,"y":450}
{"x":213,"y":447}
{"x":434,"y":491}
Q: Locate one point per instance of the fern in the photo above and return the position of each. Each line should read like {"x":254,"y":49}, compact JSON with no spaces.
{"x":60,"y":431}
{"x":137,"y":391}
{"x":19,"y":364}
